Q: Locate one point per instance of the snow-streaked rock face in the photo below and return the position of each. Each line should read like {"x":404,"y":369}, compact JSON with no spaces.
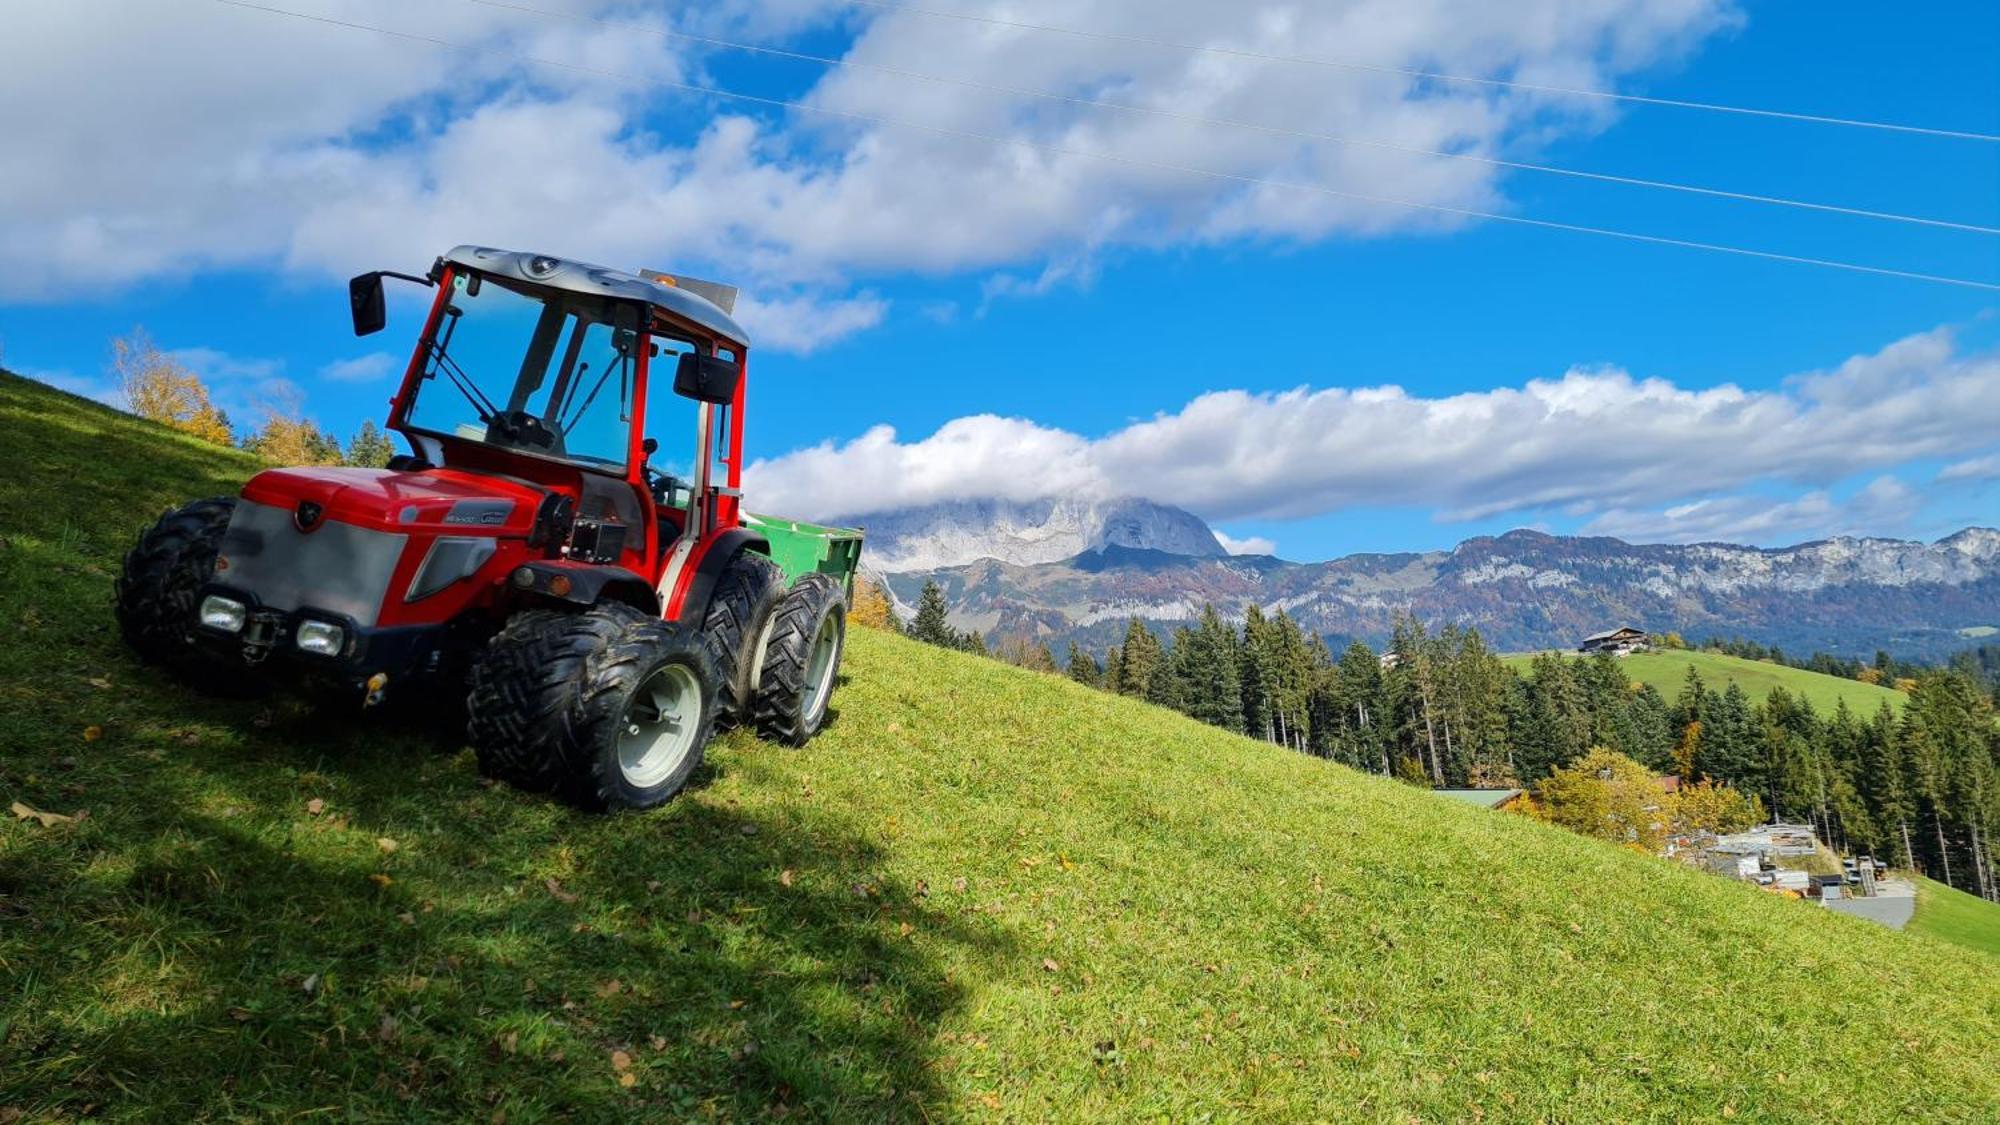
{"x":1027,"y":533}
{"x":1522,"y":590}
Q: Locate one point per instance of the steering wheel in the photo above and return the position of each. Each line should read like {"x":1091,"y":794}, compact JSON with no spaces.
{"x":664,"y":486}
{"x":522,"y":428}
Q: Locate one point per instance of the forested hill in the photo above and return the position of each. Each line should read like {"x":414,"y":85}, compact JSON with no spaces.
{"x":982,"y":893}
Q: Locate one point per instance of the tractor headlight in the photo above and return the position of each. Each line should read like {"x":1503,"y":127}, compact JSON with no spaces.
{"x":322,"y":638}
{"x":226,"y":614}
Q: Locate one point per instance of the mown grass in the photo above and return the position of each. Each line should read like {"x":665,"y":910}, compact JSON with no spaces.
{"x":982,"y":894}
{"x":1667,"y":672}
{"x":1954,"y":916}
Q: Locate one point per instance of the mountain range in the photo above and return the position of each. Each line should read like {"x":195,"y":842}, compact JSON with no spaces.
{"x":1074,"y":569}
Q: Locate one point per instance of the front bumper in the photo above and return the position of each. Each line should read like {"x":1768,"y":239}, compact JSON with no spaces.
{"x":268,"y":641}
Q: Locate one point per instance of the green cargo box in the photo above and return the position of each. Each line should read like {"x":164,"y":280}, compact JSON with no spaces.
{"x":800,"y":548}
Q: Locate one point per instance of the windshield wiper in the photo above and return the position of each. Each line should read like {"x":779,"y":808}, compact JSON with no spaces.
{"x":577,"y":418}
{"x":481,"y":405}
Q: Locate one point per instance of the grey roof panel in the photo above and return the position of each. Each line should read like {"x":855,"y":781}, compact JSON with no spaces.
{"x":598,"y":281}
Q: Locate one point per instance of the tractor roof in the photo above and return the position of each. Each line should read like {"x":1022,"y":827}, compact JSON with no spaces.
{"x":599,"y":281}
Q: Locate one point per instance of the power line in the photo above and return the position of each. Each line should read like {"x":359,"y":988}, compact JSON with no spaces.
{"x":1428,"y":75}
{"x":1063,"y":150}
{"x":1272,"y":130}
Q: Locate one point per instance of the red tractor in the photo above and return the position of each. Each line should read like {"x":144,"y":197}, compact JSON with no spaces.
{"x":602,"y":610}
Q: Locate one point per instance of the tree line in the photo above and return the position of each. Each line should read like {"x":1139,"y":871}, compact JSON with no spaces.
{"x":1438,"y":707}
{"x":160,"y":388}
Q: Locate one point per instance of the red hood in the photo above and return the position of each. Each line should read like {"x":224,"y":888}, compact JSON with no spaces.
{"x":431,"y":500}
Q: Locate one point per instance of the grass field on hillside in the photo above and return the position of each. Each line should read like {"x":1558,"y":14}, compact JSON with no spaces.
{"x":982,"y":894}
{"x":1667,"y":671}
{"x":1954,"y":916}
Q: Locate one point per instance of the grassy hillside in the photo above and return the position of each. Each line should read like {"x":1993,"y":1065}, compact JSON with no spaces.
{"x":1667,"y":671}
{"x":1954,"y":916}
{"x":983,"y":893}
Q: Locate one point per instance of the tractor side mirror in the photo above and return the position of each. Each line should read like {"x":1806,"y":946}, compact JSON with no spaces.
{"x":707,"y":378}
{"x":364,"y":297}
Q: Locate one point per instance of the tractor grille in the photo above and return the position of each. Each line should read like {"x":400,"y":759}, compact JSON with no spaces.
{"x":335,"y":567}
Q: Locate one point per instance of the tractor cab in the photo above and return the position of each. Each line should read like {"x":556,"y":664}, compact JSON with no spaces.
{"x":579,"y":379}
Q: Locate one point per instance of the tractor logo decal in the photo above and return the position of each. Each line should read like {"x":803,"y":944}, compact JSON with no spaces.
{"x":308,"y":515}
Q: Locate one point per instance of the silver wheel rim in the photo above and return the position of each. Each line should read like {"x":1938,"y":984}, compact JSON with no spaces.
{"x":819,"y":666}
{"x":658,"y":731}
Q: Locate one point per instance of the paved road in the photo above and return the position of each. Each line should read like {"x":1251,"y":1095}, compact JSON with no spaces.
{"x":1894,"y":902}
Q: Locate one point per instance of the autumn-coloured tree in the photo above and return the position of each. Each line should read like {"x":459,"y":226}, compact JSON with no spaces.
{"x":1609,"y":796}
{"x":871,"y":608}
{"x":1688,"y":751}
{"x":287,"y":439}
{"x":1707,"y":807}
{"x":161,"y":389}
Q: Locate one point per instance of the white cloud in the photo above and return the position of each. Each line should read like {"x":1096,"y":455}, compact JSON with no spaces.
{"x":360,"y":369}
{"x":1884,"y":505}
{"x":1596,"y":442}
{"x":1977,"y":468}
{"x":260,"y":140}
{"x":1249,"y":545}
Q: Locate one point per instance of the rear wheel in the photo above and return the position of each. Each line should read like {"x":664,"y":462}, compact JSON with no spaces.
{"x":609,"y":708}
{"x":739,"y":617}
{"x":156,"y":594}
{"x":802,"y":660}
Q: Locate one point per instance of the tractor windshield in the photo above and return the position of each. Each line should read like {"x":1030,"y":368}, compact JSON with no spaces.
{"x":543,"y":373}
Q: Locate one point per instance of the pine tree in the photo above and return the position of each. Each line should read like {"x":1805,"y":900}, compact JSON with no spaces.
{"x":1114,"y":668}
{"x":1141,"y":661}
{"x":931,"y":625}
{"x":370,"y":448}
{"x":1082,"y":666}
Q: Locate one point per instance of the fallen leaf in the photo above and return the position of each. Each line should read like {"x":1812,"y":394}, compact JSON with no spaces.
{"x":48,"y":819}
{"x":905,"y":929}
{"x":1064,"y":861}
{"x":98,"y":682}
{"x":749,"y":830}
{"x":311,"y":985}
{"x":958,"y":884}
{"x":92,"y":733}
{"x":652,"y":884}
{"x":610,"y":988}
{"x":1049,"y":965}
{"x":736,"y":1004}
{"x":407,"y":918}
{"x":315,"y":807}
{"x":556,"y":890}
{"x":510,"y":1042}
{"x":388,"y":1027}
{"x":380,"y":879}
{"x":659,"y":1042}
{"x":627,"y":1079}
{"x":785,"y":877}
{"x":387,"y":845}
{"x":990,"y":1101}
{"x":241,"y":1015}
{"x":621,"y":1061}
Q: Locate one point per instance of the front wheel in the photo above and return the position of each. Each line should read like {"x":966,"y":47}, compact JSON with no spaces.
{"x":609,"y":707}
{"x":157,"y":590}
{"x":802,"y":660}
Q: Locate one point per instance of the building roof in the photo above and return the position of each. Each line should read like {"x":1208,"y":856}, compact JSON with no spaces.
{"x":1487,"y":798}
{"x":1610,"y":633}
{"x":599,"y":281}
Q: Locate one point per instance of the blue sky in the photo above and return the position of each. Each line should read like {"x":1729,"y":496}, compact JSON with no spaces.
{"x":1095,"y":311}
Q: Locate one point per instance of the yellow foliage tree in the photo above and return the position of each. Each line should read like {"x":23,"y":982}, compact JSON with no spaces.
{"x":160,"y":389}
{"x":1688,"y":750}
{"x":1869,"y":674}
{"x":1607,"y":795}
{"x":1707,"y":807}
{"x":287,"y":439}
{"x":871,"y":606}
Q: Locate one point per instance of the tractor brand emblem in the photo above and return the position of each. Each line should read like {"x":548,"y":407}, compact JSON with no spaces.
{"x":308,"y":515}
